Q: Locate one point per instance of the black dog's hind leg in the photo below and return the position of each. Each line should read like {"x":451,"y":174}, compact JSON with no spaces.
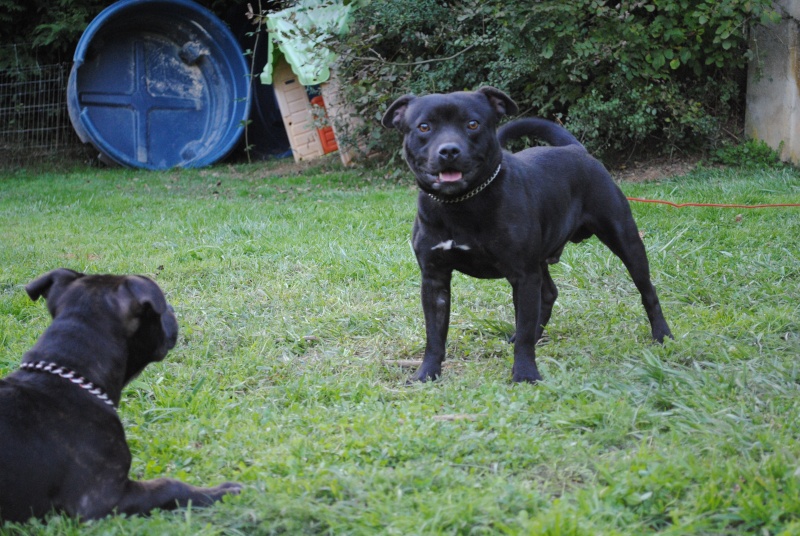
{"x":623,"y":239}
{"x":435,"y":291}
{"x":549,"y":295}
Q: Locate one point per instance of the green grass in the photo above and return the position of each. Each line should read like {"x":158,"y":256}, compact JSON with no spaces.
{"x":297,"y":289}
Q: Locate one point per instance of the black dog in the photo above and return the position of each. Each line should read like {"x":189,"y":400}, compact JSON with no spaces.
{"x":490,"y":214}
{"x":62,"y":446}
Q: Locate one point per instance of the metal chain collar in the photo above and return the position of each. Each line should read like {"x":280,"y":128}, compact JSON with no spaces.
{"x":67,"y":374}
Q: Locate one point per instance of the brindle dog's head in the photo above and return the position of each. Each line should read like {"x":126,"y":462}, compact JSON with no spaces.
{"x":131,"y":306}
{"x":450,"y":140}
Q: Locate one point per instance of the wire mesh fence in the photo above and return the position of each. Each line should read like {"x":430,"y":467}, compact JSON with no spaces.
{"x":34,"y":122}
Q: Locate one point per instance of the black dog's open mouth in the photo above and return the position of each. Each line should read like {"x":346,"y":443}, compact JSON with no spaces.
{"x":449,"y":176}
{"x":449,"y":181}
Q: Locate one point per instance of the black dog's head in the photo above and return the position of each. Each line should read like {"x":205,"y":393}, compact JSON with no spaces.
{"x":131,"y":306}
{"x":450,"y":140}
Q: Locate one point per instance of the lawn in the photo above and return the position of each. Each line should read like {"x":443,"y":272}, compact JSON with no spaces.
{"x":297,"y":292}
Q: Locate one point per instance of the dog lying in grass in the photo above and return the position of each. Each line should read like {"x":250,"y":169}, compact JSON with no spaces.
{"x":62,"y":445}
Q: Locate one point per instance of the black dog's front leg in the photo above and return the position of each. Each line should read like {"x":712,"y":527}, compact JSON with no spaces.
{"x":167,"y":493}
{"x":435,"y":292}
{"x":527,"y":303}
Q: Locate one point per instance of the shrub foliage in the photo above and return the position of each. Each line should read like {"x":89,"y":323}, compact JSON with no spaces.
{"x":665,"y":73}
{"x":47,"y":31}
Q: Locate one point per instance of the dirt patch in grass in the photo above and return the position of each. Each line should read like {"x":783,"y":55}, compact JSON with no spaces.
{"x":654,"y":169}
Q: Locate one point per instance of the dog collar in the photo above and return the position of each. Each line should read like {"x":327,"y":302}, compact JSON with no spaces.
{"x":67,"y":374}
{"x":473,"y":193}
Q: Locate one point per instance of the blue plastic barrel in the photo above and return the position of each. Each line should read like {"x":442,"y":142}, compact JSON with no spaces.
{"x":158,"y":84}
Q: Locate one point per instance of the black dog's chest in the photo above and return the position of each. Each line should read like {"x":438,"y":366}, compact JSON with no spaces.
{"x":454,"y":251}
{"x":474,"y":263}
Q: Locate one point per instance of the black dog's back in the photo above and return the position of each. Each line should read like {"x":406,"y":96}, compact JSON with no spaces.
{"x":541,"y":129}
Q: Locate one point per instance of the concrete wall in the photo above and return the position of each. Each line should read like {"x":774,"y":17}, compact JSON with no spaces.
{"x":773,"y":84}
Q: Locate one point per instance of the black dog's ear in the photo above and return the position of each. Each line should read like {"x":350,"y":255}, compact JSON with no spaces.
{"x":140,"y":296}
{"x":394,"y":116}
{"x":143,"y":291}
{"x":501,"y":102}
{"x":50,"y":284}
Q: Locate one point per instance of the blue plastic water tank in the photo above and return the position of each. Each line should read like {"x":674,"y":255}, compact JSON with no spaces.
{"x":158,"y":84}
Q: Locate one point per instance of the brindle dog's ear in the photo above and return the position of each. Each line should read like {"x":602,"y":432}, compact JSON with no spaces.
{"x":50,"y":285}
{"x":501,"y":102}
{"x":394,"y":116}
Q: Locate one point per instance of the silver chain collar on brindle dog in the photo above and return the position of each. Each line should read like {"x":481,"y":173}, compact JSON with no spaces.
{"x":473,"y":193}
{"x":67,"y":374}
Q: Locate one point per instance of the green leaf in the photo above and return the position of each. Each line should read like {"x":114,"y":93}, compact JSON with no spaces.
{"x":658,"y":60}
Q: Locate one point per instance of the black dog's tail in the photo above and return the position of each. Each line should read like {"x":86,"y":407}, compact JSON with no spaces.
{"x":541,"y":129}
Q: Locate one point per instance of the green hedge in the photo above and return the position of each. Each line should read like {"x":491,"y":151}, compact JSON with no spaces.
{"x":660,"y":74}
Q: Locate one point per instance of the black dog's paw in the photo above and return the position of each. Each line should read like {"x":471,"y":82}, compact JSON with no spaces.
{"x":534,"y":379}
{"x":661,"y":333}
{"x":212,"y":495}
{"x":525,"y":374}
{"x":659,"y":329}
{"x":425,"y":374}
{"x":234,"y":488}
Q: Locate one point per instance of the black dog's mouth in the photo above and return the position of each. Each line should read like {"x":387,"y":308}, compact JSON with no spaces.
{"x":449,"y":175}
{"x":448,"y":181}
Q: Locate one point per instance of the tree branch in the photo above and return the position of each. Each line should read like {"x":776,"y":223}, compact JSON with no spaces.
{"x":434,"y":60}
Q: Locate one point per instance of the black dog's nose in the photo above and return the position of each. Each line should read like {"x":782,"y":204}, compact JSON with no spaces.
{"x":449,"y":151}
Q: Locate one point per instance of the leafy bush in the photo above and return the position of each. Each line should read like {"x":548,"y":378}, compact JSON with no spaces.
{"x":749,"y":154}
{"x":47,"y":31}
{"x":666,"y":73}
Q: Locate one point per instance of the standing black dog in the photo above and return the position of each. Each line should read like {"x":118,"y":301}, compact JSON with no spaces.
{"x":490,"y":214}
{"x":62,"y":445}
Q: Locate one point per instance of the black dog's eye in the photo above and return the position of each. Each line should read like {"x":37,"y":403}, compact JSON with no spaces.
{"x":424,"y":127}
{"x":473,"y":125}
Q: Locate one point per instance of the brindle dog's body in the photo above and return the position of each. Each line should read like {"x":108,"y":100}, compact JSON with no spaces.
{"x":61,"y":447}
{"x":491,"y":214}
